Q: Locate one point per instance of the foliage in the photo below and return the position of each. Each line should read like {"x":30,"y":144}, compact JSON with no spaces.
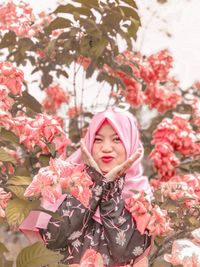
{"x":33,"y":139}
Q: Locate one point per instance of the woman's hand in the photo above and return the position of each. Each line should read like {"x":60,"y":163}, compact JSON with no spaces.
{"x":122,"y":168}
{"x":87,"y":157}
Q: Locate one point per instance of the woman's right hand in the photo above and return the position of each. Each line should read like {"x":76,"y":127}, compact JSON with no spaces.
{"x":87,"y":157}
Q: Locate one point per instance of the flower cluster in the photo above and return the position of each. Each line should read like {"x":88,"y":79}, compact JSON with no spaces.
{"x":20,"y":19}
{"x":164,"y":160}
{"x":161,"y":97}
{"x":11,"y":77}
{"x":4,"y":197}
{"x":185,"y":252}
{"x":185,"y":187}
{"x":73,"y":111}
{"x":40,"y":131}
{"x":147,"y":215}
{"x":179,"y":134}
{"x":153,"y":84}
{"x":55,"y":97}
{"x":172,"y":135}
{"x":61,"y":175}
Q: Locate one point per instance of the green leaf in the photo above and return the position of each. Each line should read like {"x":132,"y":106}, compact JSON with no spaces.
{"x":130,"y":3}
{"x":9,"y":39}
{"x":130,"y":12}
{"x":9,"y":136}
{"x":37,"y":255}
{"x":90,"y":3}
{"x":19,"y":180}
{"x":3,"y":248}
{"x":58,"y":23}
{"x":65,"y":9}
{"x":18,"y":191}
{"x":25,"y":43}
{"x":29,"y":101}
{"x":194,"y":221}
{"x":6,"y":157}
{"x":18,"y":209}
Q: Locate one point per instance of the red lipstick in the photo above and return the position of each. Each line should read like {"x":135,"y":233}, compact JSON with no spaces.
{"x":107,"y":159}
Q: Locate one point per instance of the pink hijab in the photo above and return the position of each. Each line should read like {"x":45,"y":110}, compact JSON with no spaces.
{"x":125,"y":125}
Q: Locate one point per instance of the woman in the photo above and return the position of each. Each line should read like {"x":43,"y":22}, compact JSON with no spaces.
{"x":112,"y":152}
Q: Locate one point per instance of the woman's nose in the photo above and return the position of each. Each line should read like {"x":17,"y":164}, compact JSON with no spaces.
{"x":106,"y":146}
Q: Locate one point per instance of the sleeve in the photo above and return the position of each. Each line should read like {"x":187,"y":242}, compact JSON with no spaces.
{"x":74,"y":216}
{"x":125,"y":242}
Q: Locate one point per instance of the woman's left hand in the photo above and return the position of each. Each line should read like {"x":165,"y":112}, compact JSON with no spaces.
{"x":122,"y":168}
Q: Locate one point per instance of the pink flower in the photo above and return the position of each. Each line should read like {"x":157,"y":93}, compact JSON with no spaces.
{"x":73,"y":111}
{"x":162,"y":98}
{"x":164,"y":160}
{"x":91,"y":258}
{"x":60,"y":174}
{"x":4,"y":197}
{"x":11,"y":77}
{"x":148,"y":216}
{"x":184,"y":253}
{"x":55,"y":97}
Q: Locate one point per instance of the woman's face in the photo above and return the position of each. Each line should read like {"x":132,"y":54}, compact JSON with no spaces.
{"x":108,"y":150}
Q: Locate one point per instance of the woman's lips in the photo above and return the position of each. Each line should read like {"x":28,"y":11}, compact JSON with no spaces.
{"x":107,"y":159}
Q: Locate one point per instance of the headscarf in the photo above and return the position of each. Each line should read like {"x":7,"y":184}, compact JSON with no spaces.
{"x":125,"y":125}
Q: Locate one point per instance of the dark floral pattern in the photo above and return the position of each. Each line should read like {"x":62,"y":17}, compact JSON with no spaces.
{"x":117,"y":238}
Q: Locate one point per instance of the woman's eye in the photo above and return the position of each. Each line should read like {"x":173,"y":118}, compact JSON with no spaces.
{"x":117,"y":140}
{"x":97,"y":140}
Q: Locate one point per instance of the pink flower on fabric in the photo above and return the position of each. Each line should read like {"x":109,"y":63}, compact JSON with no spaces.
{"x":91,"y":258}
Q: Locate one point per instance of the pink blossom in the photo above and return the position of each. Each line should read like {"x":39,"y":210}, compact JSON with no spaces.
{"x":91,"y":258}
{"x":4,"y":197}
{"x":164,"y":160}
{"x":73,"y":111}
{"x":148,"y":216}
{"x":162,"y":98}
{"x":178,"y":133}
{"x":60,"y":174}
{"x":185,"y":253}
{"x":55,"y":97}
{"x":11,"y":77}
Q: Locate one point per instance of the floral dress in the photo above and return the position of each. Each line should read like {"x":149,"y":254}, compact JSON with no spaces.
{"x":115,"y":237}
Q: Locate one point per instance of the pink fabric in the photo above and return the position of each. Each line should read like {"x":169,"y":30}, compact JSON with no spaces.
{"x":126,"y":127}
{"x":35,"y":220}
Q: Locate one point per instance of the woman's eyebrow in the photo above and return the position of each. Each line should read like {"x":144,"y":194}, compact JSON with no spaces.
{"x":115,"y":134}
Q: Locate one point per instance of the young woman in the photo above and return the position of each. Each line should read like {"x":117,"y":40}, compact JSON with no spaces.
{"x":112,"y":153}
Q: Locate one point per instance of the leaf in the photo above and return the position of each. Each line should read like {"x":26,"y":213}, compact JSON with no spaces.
{"x":9,"y":136}
{"x":130,"y":3}
{"x":194,"y":221}
{"x":65,"y":9}
{"x":19,"y":180}
{"x":6,"y":157}
{"x":130,"y":12}
{"x":18,"y":209}
{"x":18,"y":191}
{"x":3,"y":248}
{"x":161,"y":263}
{"x":25,"y":43}
{"x":58,"y":23}
{"x":37,"y":255}
{"x":29,"y":101}
{"x":9,"y":39}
